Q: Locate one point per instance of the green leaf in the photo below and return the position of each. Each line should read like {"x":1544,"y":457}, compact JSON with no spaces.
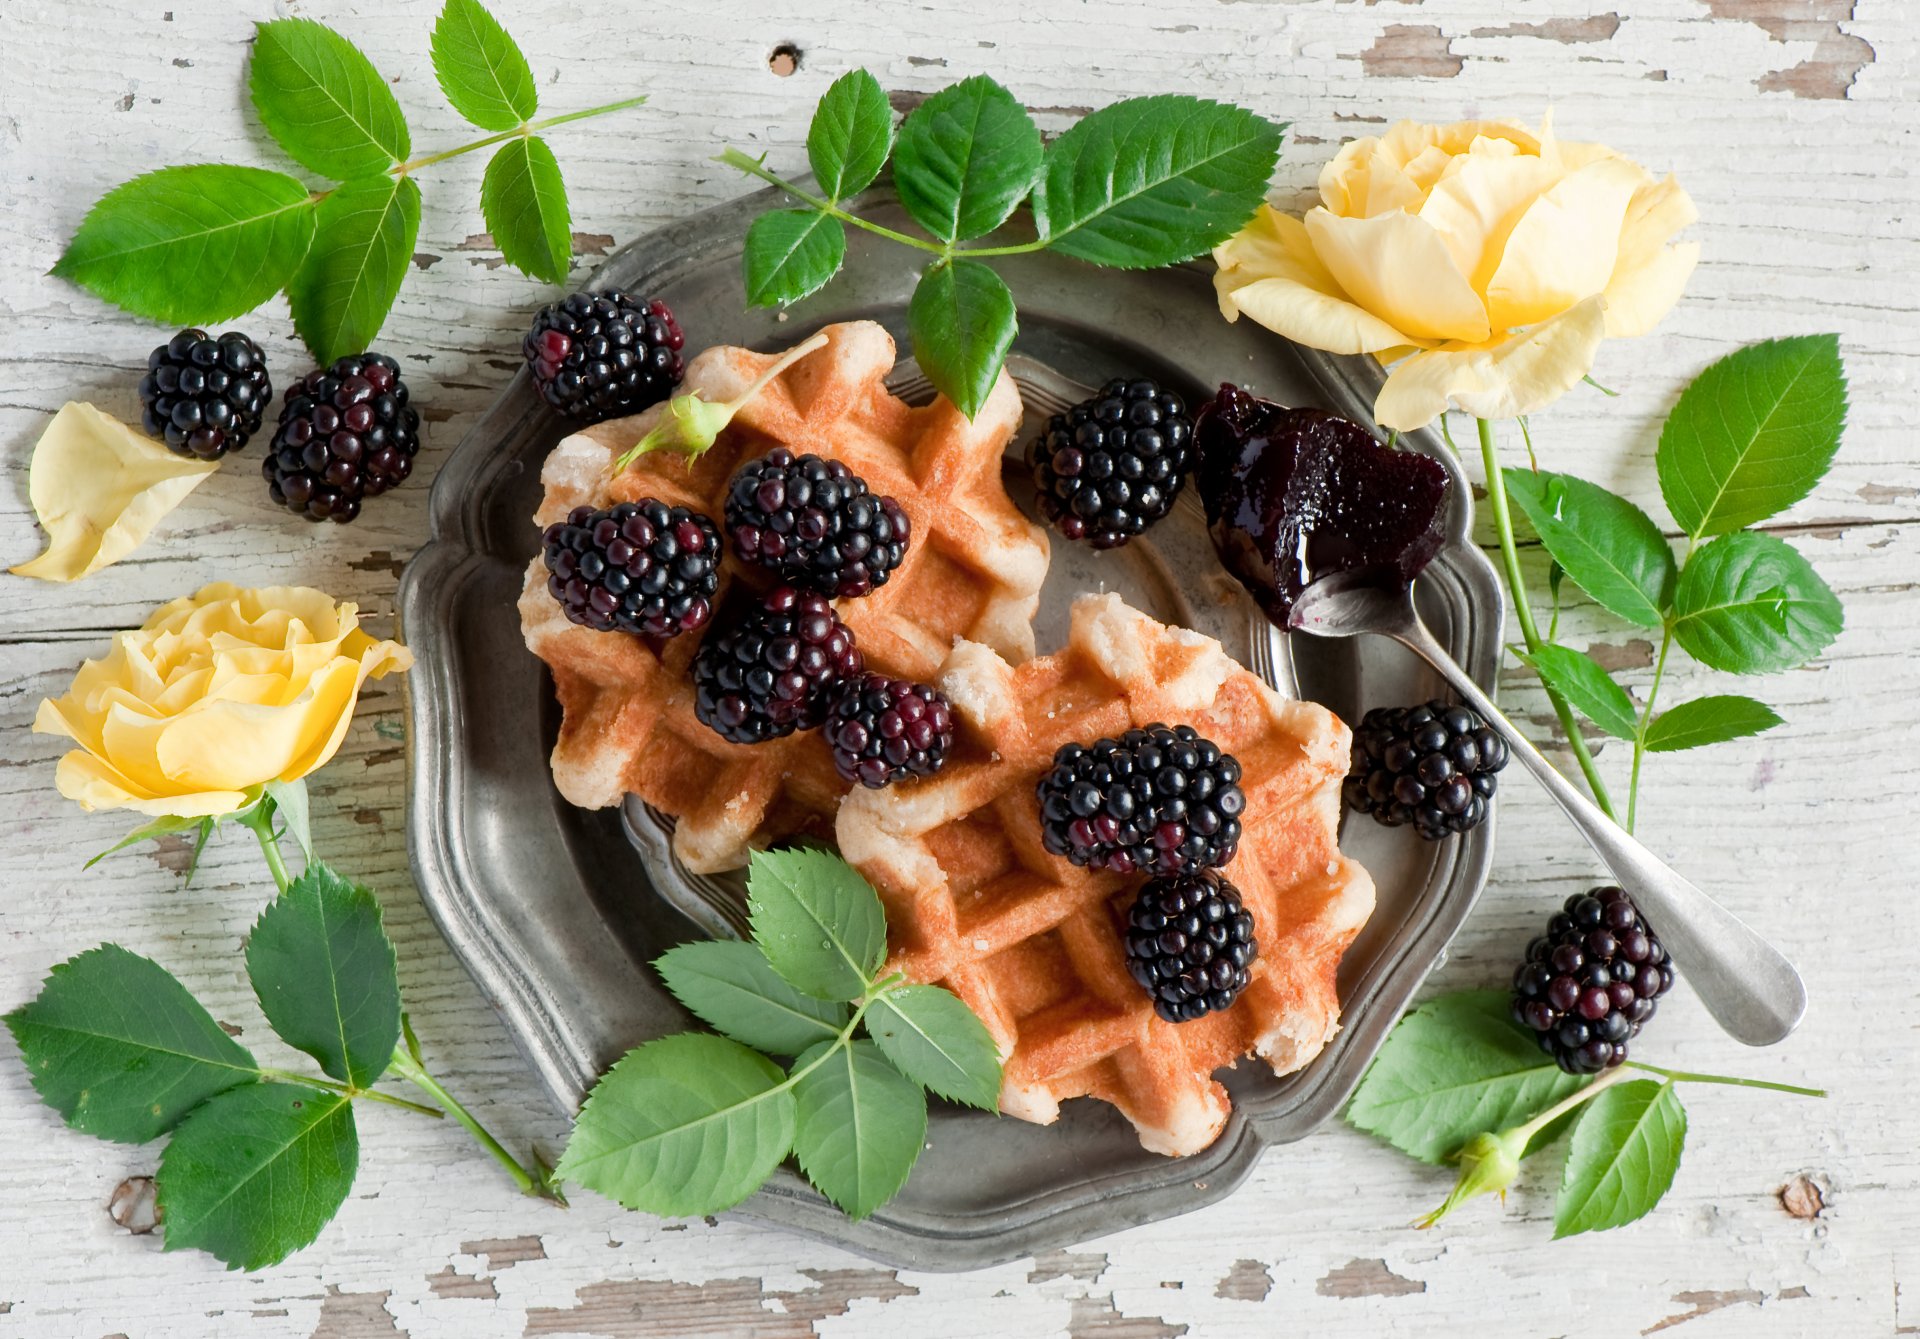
{"x":1625,"y":1151}
{"x":341,"y":296}
{"x":324,"y":970}
{"x":290,"y":802}
{"x":861,"y":1125}
{"x":1578,"y":678}
{"x":1709,"y":720}
{"x":1611,"y":548}
{"x":935,"y":1040}
{"x":253,"y":1175}
{"x":1454,"y":1068}
{"x":481,"y":69}
{"x":688,"y":1124}
{"x":1753,"y":434}
{"x":164,"y":826}
{"x":120,"y":1049}
{"x":321,"y":98}
{"x":193,"y":245}
{"x":851,"y":135}
{"x":1750,"y":604}
{"x":1154,"y":181}
{"x":962,"y":322}
{"x":967,"y":157}
{"x":732,"y":986}
{"x":820,"y":923}
{"x":524,"y":202}
{"x":791,"y":253}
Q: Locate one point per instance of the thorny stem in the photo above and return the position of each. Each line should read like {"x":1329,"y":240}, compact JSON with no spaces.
{"x":520,"y":131}
{"x":1510,"y":556}
{"x":260,"y":820}
{"x":1646,"y":719}
{"x":530,"y":1184}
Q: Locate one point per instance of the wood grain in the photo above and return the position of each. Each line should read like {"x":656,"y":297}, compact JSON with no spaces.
{"x":1793,"y":126}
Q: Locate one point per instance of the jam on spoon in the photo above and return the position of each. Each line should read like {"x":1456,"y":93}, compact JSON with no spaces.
{"x":1295,"y":494}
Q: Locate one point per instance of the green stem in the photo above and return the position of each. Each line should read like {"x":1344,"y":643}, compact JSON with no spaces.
{"x":741,"y":162}
{"x":347,"y":1090}
{"x":1510,"y":556}
{"x":1646,"y":719}
{"x":525,"y":128}
{"x":1568,"y":1103}
{"x":1687,"y":1076}
{"x":406,"y":1068}
{"x":260,"y":820}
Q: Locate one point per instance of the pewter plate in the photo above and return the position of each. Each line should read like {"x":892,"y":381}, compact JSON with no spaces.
{"x":556,"y":911}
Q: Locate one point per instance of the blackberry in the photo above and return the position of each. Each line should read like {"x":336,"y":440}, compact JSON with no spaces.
{"x":1156,"y":799}
{"x":204,"y":396}
{"x":1189,"y":943}
{"x":601,"y":355}
{"x":641,"y":567}
{"x":346,"y":433}
{"x":1591,"y":982}
{"x":1113,"y":465}
{"x":812,"y":523}
{"x":775,"y":670}
{"x":1435,"y":766}
{"x":882,"y":730}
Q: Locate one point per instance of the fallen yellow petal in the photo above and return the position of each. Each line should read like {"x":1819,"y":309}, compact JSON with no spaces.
{"x":99,"y":488}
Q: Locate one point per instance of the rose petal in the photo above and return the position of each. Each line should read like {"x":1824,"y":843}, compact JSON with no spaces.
{"x":1396,"y":267}
{"x":99,"y":488}
{"x":1269,"y":272}
{"x":1649,"y":275}
{"x":1563,"y":249}
{"x":1478,"y":201}
{"x":93,"y":785}
{"x":1518,"y":375}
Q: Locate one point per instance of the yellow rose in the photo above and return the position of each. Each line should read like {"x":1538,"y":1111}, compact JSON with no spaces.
{"x":1487,"y":261}
{"x":217,"y":694}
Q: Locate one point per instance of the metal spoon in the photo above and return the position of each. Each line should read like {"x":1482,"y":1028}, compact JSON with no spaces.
{"x":1748,"y":986}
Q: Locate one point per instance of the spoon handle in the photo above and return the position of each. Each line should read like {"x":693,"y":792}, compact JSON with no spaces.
{"x":1748,"y":986}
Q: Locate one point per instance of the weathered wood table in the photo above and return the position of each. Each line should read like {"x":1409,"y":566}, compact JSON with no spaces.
{"x":1794,"y":125}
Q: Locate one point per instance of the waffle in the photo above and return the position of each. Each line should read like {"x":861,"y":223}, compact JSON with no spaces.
{"x":973,"y":569}
{"x":1034,"y":945}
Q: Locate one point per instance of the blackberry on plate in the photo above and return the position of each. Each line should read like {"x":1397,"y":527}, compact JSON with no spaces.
{"x":1435,"y":766}
{"x":1189,"y":943}
{"x":346,"y":433}
{"x":1591,"y":982}
{"x":600,"y":355}
{"x":813,"y":523}
{"x":204,"y":396}
{"x":1112,"y":465}
{"x":882,"y":730}
{"x":641,"y":567}
{"x":1158,"y":799}
{"x":775,"y":670}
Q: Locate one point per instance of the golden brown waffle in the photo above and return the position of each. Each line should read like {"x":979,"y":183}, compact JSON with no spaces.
{"x":973,"y":569}
{"x":975,"y":902}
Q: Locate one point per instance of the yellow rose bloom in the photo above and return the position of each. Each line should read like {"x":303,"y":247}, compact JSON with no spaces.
{"x":217,"y":694}
{"x":1486,"y":262}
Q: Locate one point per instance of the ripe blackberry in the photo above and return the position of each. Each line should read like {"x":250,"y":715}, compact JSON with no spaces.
{"x":812,"y":523}
{"x":203,"y":396}
{"x":775,"y":670}
{"x":1591,"y":981}
{"x":1189,"y":943}
{"x":1156,"y":799}
{"x":1433,"y":766}
{"x":641,"y":567}
{"x":882,"y":730}
{"x":1113,"y":465}
{"x":345,"y":433}
{"x":601,"y":355}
